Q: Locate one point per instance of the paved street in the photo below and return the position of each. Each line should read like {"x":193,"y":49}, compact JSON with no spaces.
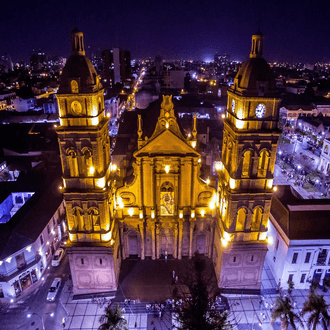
{"x":33,"y":300}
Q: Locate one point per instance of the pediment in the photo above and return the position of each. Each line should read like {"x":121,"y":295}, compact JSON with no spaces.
{"x":166,"y":143}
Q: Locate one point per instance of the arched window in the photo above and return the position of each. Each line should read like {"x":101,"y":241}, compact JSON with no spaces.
{"x":74,"y":86}
{"x":246,"y":166}
{"x":228,"y":152}
{"x":73,"y":163}
{"x":240,"y":222}
{"x":256,"y":219}
{"x":263,"y":163}
{"x":100,"y":105}
{"x":88,"y":160}
{"x":79,"y":220}
{"x":95,"y":219}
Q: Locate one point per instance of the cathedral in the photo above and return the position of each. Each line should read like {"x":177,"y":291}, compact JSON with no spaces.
{"x":166,"y":207}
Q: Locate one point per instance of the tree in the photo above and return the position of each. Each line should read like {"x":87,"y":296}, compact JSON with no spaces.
{"x":284,"y":310}
{"x":318,"y":309}
{"x":112,"y":319}
{"x":195,"y":312}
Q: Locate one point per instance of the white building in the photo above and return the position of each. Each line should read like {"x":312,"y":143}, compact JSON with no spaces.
{"x":290,"y":113}
{"x":29,"y":236}
{"x":299,"y":232}
{"x":324,"y":164}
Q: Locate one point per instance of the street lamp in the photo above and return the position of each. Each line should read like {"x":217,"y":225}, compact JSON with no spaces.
{"x":41,"y":318}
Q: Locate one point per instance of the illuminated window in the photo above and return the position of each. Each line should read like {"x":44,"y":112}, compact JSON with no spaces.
{"x":241,"y":216}
{"x":88,"y":159}
{"x":228,"y":153}
{"x":246,"y":167}
{"x":256,"y":219}
{"x":263,"y":163}
{"x":73,"y":163}
{"x":74,"y":86}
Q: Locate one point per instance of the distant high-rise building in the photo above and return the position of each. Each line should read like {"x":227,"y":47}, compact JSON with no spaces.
{"x":116,"y":66}
{"x":6,"y":63}
{"x":158,"y":65}
{"x":37,"y":60}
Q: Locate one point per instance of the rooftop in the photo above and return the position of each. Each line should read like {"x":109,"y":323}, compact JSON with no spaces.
{"x":300,"y":219}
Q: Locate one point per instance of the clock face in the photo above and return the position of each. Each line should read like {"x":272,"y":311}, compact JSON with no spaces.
{"x":233,"y":106}
{"x":76,"y":107}
{"x":260,"y":110}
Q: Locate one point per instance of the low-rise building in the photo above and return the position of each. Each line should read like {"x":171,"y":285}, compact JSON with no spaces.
{"x":31,"y":227}
{"x":291,"y":112}
{"x":324,"y":164}
{"x":298,"y":233}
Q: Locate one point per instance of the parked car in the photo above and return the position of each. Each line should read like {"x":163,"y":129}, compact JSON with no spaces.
{"x":58,"y":256}
{"x":54,"y":288}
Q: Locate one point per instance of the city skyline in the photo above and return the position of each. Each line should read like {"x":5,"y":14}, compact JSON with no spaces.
{"x":187,"y":30}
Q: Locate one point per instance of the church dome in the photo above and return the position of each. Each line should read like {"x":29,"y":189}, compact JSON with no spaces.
{"x":255,"y":77}
{"x":78,"y":68}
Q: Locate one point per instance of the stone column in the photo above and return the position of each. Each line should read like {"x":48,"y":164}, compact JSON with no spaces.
{"x":192,"y":225}
{"x":193,"y":182}
{"x":211,"y":240}
{"x":142,"y":239}
{"x":175,"y":248}
{"x":152,"y":185}
{"x":180,"y":239}
{"x":121,"y":230}
{"x":157,"y":241}
{"x":153,"y":243}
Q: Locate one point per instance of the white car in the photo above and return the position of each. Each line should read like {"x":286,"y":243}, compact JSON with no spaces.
{"x":59,"y":254}
{"x":54,"y":289}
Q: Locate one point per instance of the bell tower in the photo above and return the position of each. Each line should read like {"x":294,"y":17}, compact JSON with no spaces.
{"x":245,"y":188}
{"x":83,"y":136}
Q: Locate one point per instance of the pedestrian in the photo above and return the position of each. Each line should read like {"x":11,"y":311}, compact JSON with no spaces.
{"x":165,"y":256}
{"x":260,"y":303}
{"x":173,"y":274}
{"x":176,"y":279}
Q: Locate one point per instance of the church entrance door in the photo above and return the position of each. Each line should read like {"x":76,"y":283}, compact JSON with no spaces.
{"x":167,"y":244}
{"x":201,"y":244}
{"x":133,"y":245}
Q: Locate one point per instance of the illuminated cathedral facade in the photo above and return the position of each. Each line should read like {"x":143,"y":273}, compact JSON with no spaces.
{"x":167,"y":207}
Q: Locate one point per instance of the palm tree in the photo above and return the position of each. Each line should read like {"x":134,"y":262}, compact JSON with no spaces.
{"x":112,"y":319}
{"x":318,"y":309}
{"x":284,"y":310}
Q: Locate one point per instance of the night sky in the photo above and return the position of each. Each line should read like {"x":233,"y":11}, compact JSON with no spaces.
{"x":294,"y":30}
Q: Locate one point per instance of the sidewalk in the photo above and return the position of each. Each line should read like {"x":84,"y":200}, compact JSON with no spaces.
{"x":281,"y":179}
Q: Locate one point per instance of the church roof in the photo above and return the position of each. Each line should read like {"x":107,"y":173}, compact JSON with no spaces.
{"x":80,"y":68}
{"x":252,"y":71}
